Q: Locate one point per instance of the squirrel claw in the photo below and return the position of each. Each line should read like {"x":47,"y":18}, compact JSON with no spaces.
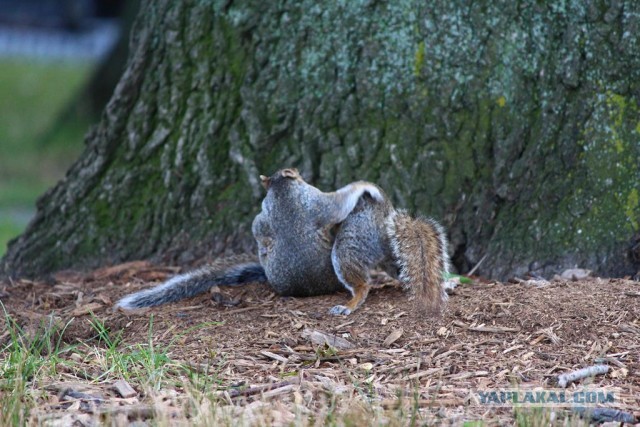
{"x":340,"y":309}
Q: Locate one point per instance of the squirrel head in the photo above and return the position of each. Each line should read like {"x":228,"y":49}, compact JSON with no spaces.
{"x":289,"y":173}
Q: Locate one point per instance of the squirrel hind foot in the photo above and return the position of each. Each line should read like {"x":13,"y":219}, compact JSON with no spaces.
{"x":338,"y":310}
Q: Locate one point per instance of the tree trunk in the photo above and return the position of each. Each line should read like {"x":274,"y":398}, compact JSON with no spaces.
{"x":517,"y":124}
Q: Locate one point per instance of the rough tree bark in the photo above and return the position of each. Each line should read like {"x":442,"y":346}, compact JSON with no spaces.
{"x":516,"y":123}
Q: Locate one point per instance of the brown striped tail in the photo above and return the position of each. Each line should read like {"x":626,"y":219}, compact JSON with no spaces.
{"x":419,"y":247}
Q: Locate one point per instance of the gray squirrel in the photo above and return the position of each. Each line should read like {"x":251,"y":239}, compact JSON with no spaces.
{"x":313,"y":243}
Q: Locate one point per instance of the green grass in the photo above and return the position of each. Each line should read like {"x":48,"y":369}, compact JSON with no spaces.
{"x":22,"y":359}
{"x":32,"y":358}
{"x":35,"y":149}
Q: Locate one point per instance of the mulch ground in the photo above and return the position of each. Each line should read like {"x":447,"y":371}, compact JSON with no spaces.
{"x":266,"y":347}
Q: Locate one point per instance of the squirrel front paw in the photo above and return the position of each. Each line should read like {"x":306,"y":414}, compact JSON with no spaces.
{"x":340,"y":309}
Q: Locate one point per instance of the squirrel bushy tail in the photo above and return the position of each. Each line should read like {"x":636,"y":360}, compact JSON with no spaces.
{"x":193,"y":283}
{"x":419,"y":247}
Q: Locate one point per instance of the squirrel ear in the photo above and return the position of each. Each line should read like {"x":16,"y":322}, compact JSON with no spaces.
{"x":290,"y":173}
{"x":266,"y":182}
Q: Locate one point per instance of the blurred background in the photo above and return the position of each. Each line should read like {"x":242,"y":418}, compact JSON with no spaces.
{"x":59,"y":63}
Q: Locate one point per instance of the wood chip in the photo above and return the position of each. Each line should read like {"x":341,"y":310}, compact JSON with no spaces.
{"x":322,"y":338}
{"x":262,"y":388}
{"x":611,"y":360}
{"x":124,"y":389}
{"x":425,"y":373}
{"x":629,"y":328}
{"x":393,"y":337}
{"x":274,"y":356}
{"x":465,"y":375}
{"x":510,"y":349}
{"x":278,"y":391}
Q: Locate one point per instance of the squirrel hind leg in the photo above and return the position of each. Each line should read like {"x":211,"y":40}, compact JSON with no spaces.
{"x":359,"y":290}
{"x":355,"y":277}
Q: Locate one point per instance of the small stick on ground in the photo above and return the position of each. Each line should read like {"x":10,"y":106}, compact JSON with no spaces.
{"x":589,"y":371}
{"x":261,"y":388}
{"x":473,"y":270}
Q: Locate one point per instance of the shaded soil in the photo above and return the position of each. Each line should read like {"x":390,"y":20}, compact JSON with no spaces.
{"x":492,"y":336}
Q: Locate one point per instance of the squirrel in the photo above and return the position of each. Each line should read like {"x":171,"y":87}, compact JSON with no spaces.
{"x":313,"y":243}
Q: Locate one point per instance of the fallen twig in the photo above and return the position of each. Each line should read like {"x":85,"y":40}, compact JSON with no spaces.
{"x":261,"y":388}
{"x":611,"y":360}
{"x":492,"y":329}
{"x":482,"y":328}
{"x":589,"y":371}
{"x":274,"y":356}
{"x":473,"y":270}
